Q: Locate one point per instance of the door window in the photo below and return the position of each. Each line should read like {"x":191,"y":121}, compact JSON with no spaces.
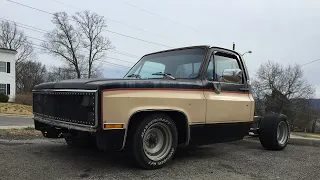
{"x":3,"y":67}
{"x":224,"y":61}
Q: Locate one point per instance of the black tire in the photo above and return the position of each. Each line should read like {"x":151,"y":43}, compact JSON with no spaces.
{"x":150,"y":130}
{"x":86,"y":141}
{"x":268,"y":132}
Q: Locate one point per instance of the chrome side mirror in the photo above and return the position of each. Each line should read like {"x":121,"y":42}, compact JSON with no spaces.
{"x":232,"y":75}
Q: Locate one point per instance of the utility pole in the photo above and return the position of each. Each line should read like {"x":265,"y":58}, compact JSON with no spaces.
{"x":233,"y":46}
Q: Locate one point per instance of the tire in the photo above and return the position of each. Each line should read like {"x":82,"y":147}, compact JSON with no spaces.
{"x":154,"y":141}
{"x":86,"y":141}
{"x":274,"y":132}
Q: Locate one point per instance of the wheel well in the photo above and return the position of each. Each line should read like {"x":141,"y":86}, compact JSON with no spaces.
{"x":179,"y":118}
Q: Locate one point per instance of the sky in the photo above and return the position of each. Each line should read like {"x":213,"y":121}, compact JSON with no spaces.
{"x":284,"y":31}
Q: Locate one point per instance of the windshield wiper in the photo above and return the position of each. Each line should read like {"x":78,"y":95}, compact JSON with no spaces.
{"x":134,"y":75}
{"x":164,"y":74}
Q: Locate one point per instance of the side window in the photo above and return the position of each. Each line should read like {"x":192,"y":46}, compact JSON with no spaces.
{"x":189,"y":70}
{"x":150,"y":67}
{"x":3,"y":66}
{"x":223,"y":62}
{"x":3,"y":89}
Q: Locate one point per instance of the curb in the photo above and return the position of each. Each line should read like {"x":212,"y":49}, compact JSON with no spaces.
{"x":295,"y":141}
{"x":305,"y":141}
{"x":16,"y":115}
{"x":15,"y":127}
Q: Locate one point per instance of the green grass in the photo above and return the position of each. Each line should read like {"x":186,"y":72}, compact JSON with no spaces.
{"x":307,"y":135}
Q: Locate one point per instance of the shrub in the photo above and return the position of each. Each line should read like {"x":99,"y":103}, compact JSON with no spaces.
{"x":25,"y":99}
{"x":4,"y":98}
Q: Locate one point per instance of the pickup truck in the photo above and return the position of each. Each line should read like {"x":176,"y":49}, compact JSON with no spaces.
{"x":180,"y":97}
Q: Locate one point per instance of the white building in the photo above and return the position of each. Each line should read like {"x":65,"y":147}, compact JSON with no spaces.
{"x":8,"y":73}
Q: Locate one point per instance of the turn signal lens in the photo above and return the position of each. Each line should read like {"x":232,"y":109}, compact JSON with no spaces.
{"x":113,"y":125}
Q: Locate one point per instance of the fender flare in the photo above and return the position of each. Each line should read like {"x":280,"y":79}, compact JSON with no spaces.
{"x":163,"y":110}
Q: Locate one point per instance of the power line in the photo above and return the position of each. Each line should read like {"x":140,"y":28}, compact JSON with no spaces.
{"x":109,"y":63}
{"x":40,"y":47}
{"x":310,"y":62}
{"x":30,"y":7}
{"x":34,"y":29}
{"x":124,"y":35}
{"x":115,"y":21}
{"x":25,"y":26}
{"x":134,"y":6}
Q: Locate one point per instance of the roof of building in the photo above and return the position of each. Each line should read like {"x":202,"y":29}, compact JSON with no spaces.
{"x":11,"y":51}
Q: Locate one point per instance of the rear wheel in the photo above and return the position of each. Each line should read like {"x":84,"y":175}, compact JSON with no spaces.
{"x":274,"y":132}
{"x":154,"y":141}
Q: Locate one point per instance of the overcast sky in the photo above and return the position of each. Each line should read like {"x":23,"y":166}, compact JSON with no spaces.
{"x":286,"y":31}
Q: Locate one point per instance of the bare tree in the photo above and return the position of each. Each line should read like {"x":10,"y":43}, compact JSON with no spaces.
{"x":13,"y":38}
{"x":289,"y":80}
{"x":64,"y":42}
{"x":32,"y":73}
{"x":91,"y":26}
{"x":60,"y":73}
{"x":80,"y":44}
{"x":283,"y":89}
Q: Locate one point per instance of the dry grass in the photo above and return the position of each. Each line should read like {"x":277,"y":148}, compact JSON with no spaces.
{"x":24,"y":133}
{"x":307,"y":135}
{"x":12,"y":108}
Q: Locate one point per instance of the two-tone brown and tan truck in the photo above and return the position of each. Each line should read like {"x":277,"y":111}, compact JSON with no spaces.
{"x":187,"y":96}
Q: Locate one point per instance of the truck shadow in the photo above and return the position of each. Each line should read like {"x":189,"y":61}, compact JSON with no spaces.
{"x":90,"y":159}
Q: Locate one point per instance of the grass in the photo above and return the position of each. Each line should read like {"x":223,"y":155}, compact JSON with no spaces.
{"x":307,"y":135}
{"x":23,"y":133}
{"x":12,"y":108}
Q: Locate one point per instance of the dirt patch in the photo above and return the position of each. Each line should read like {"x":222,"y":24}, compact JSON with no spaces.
{"x":12,"y":108}
{"x":25,"y":133}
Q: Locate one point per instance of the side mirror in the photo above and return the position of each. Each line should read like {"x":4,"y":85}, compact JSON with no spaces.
{"x":232,"y":75}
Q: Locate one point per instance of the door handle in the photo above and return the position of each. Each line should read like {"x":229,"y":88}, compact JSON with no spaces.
{"x":244,"y":89}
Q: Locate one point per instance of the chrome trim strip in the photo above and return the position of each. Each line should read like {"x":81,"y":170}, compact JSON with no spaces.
{"x":65,"y":124}
{"x":61,"y":90}
{"x":150,"y":110}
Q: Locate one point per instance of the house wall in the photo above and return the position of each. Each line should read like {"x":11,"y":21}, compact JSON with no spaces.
{"x":9,"y":78}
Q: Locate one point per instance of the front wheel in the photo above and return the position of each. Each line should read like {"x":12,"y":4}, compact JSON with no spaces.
{"x":274,"y":132}
{"x":154,"y":141}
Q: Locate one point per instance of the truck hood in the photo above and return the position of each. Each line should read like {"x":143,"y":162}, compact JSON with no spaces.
{"x":100,"y":84}
{"x":90,"y":84}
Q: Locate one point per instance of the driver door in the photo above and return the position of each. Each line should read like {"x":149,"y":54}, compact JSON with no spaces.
{"x":227,"y":112}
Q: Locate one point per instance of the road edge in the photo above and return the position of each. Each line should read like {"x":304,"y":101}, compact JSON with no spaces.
{"x":16,"y":115}
{"x":295,"y":141}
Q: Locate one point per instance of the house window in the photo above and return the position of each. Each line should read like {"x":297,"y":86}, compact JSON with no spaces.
{"x":3,"y":89}
{"x":3,"y":67}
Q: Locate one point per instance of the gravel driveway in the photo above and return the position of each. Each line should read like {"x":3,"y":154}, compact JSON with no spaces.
{"x":51,"y":159}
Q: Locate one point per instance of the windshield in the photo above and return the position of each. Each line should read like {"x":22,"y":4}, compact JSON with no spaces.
{"x":184,"y":63}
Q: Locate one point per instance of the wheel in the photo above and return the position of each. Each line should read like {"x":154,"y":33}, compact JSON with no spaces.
{"x":274,"y":132}
{"x":154,"y":141}
{"x":84,"y":141}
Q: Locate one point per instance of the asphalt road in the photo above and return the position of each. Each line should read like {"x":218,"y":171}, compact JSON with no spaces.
{"x":45,"y":159}
{"x":15,"y":121}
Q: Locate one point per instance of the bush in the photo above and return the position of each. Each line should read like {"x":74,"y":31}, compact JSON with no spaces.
{"x":4,"y":98}
{"x":25,"y":99}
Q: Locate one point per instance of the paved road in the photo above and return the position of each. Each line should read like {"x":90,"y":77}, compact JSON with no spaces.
{"x":44,"y":159}
{"x":15,"y":121}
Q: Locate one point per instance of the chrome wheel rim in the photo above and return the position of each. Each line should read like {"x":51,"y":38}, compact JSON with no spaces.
{"x":282,"y":132}
{"x":157,"y":141}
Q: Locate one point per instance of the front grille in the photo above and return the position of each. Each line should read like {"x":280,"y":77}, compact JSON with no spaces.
{"x":73,"y":107}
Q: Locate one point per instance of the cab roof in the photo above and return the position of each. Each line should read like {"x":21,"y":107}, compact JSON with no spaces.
{"x":187,"y":47}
